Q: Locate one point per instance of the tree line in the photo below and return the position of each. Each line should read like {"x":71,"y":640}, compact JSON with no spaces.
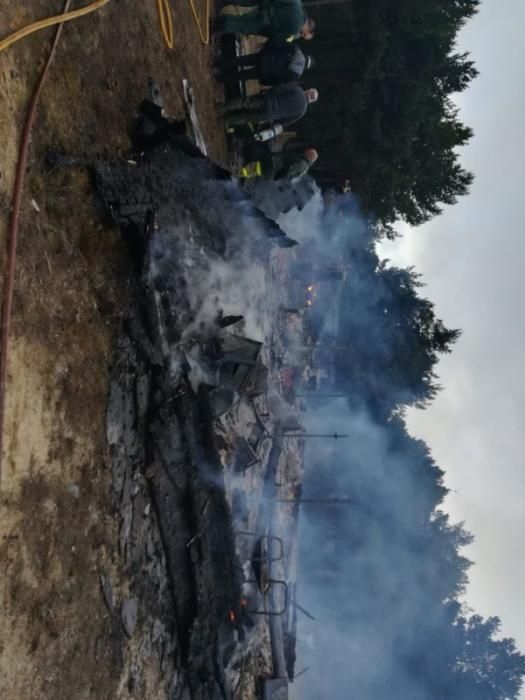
{"x":386,"y":71}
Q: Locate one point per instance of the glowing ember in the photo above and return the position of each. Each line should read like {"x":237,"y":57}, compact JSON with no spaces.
{"x":231,"y":616}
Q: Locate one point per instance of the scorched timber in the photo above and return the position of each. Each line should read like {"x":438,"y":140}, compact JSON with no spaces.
{"x":196,"y":530}
{"x":171,"y":181}
{"x":180,"y":214}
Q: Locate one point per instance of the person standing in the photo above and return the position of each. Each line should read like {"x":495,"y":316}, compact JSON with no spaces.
{"x":283,"y":20}
{"x":290,"y":166}
{"x":277,"y":62}
{"x":285,"y":104}
{"x":281,"y":166}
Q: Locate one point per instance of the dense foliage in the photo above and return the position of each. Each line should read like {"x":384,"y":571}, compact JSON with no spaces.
{"x":391,"y":337}
{"x":385,"y":71}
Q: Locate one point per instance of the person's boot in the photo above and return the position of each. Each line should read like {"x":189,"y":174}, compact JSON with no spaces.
{"x":230,"y":120}
{"x":234,"y":104}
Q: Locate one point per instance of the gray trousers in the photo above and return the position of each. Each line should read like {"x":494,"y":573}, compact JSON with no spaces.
{"x":241,"y":110}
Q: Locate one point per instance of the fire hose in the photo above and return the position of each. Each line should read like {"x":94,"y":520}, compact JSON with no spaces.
{"x":166,"y":25}
{"x":163,"y":8}
{"x":12,"y":234}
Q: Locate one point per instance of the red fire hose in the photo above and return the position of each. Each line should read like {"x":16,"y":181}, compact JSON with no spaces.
{"x":12,"y":235}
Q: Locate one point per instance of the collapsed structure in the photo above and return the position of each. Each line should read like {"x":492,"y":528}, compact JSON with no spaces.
{"x":196,"y":427}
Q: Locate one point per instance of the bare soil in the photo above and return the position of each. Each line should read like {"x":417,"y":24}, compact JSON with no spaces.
{"x":57,"y":529}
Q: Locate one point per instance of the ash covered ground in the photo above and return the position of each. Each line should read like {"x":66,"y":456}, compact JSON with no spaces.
{"x":202,"y":442}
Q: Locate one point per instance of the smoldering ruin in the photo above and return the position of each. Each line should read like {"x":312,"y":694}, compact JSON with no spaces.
{"x":205,"y":452}
{"x":184,"y":341}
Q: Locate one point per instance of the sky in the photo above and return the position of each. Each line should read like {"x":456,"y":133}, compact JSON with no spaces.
{"x":472,"y":259}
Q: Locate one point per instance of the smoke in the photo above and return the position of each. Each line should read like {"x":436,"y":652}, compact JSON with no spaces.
{"x":305,"y":226}
{"x":362,"y":583}
{"x":200,"y":286}
{"x":233,"y":287}
{"x":380,"y":574}
{"x":373,"y":572}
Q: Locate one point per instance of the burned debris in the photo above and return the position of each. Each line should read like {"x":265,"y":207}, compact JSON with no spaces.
{"x":194,"y":426}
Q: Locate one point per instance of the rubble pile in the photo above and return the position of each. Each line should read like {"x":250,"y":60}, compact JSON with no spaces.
{"x":196,"y":440}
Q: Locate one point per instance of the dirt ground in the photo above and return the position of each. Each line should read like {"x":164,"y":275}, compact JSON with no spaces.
{"x":57,"y":529}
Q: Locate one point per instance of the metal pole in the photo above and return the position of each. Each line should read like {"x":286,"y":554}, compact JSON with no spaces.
{"x":334,"y":436}
{"x":321,"y":396}
{"x":317,"y":348}
{"x":301,"y":672}
{"x":303,"y":610}
{"x":326,"y":501}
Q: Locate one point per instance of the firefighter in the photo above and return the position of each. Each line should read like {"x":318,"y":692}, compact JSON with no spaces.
{"x":277,"y":62}
{"x":283,"y":20}
{"x":282,"y":166}
{"x":285,"y":104}
{"x":293,"y":165}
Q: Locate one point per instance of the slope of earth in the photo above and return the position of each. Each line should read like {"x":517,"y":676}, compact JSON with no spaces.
{"x":58,"y":533}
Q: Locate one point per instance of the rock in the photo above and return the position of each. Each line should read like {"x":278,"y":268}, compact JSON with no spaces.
{"x":74,"y":490}
{"x":150,"y":547}
{"x":99,"y":648}
{"x":157,"y":631}
{"x":107,"y":592}
{"x":121,"y":418}
{"x":145,"y":649}
{"x":221,"y":400}
{"x":155,"y":94}
{"x":114,"y":415}
{"x":152,"y":470}
{"x":129,"y":611}
{"x":135,"y":680}
{"x":142,"y":389}
{"x":125,"y":528}
{"x":173,"y":690}
{"x":126,"y":512}
{"x":119,"y":466}
{"x":139,"y":528}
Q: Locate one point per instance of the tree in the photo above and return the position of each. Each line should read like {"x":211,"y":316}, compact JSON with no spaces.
{"x":385,"y":71}
{"x":394,"y":339}
{"x":486,"y":667}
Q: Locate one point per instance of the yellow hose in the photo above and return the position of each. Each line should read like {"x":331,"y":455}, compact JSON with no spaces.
{"x":165,"y":19}
{"x":204,"y":35}
{"x":49,"y":22}
{"x":166,"y":22}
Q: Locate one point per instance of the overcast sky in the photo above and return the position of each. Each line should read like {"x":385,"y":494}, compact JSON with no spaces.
{"x":472,"y":259}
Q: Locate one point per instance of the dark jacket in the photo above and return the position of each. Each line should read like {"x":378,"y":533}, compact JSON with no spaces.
{"x":279,"y":62}
{"x":283,"y":19}
{"x":289,"y":166}
{"x":281,"y":165}
{"x":285,"y":103}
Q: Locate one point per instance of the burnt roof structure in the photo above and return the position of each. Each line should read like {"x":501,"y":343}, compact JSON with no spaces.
{"x":241,"y":367}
